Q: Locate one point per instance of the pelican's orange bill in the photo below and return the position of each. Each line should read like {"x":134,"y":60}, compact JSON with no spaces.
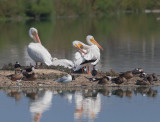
{"x":37,"y":37}
{"x":78,"y":47}
{"x":96,"y":43}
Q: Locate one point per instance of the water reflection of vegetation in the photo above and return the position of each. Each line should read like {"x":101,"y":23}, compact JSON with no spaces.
{"x":65,"y":30}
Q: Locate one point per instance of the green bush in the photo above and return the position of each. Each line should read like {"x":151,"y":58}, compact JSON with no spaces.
{"x":39,"y":8}
{"x":10,"y":8}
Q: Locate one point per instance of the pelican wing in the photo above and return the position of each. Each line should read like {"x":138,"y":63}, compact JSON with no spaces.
{"x":93,"y":54}
{"x":63,"y":62}
{"x":78,"y":59}
{"x":39,"y":53}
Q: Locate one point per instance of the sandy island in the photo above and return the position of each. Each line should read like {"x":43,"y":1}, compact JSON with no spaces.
{"x":48,"y":75}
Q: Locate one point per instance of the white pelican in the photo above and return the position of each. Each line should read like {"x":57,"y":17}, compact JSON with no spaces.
{"x":36,"y":50}
{"x":65,"y":79}
{"x":91,"y":53}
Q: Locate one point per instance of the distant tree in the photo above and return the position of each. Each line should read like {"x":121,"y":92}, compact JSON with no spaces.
{"x":39,"y":8}
{"x":105,"y":6}
{"x":10,"y":8}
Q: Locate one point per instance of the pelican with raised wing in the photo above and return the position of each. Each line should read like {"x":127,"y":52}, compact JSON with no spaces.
{"x":91,"y":55}
{"x":36,"y":50}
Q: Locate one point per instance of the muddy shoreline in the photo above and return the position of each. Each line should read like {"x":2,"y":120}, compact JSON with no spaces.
{"x":47,"y":76}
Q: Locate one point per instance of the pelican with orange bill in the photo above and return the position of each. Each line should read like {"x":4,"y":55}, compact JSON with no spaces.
{"x":91,"y":52}
{"x":36,"y":50}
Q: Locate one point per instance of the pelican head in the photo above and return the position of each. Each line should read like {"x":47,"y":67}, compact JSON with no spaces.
{"x":78,"y":45}
{"x":91,"y":41}
{"x":33,"y":33}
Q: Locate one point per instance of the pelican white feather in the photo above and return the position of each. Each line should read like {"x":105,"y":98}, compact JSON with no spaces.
{"x":91,"y":53}
{"x":77,"y":61}
{"x":36,"y":50}
{"x":63,"y":62}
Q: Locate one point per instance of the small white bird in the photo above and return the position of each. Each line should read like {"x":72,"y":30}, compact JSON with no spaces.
{"x":36,"y":50}
{"x":65,"y":79}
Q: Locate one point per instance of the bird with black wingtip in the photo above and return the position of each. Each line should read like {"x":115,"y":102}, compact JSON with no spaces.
{"x":17,"y":65}
{"x":29,"y":74}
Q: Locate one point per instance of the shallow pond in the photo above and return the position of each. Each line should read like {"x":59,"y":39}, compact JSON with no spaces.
{"x":85,"y":105}
{"x":129,"y":41}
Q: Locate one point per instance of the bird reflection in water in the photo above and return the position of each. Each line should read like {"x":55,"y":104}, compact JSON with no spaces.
{"x":65,"y":94}
{"x":15,"y":94}
{"x":39,"y":104}
{"x":87,"y":106}
{"x":146,"y":91}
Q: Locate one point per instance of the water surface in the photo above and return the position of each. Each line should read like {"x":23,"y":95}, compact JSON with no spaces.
{"x":85,"y":105}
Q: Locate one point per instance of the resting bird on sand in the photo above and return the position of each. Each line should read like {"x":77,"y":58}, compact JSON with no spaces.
{"x":18,"y":75}
{"x":29,"y":69}
{"x":17,"y":65}
{"x":66,"y":79}
{"x":36,"y":50}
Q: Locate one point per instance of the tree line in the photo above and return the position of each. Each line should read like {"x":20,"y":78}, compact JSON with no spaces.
{"x":46,"y":8}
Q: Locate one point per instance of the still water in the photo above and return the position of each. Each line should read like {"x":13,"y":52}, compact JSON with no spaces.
{"x":129,"y":41}
{"x":86,"y":105}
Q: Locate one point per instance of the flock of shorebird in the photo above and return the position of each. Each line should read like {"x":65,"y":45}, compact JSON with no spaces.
{"x":87,"y":55}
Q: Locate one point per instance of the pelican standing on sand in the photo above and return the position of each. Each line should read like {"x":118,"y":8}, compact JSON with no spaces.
{"x":36,"y":50}
{"x":91,"y":53}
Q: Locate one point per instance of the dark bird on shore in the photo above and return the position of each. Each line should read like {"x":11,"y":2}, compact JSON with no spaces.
{"x":103,"y":80}
{"x":142,"y":82}
{"x":94,"y":72}
{"x":137,"y":71}
{"x":29,"y":76}
{"x":17,"y":76}
{"x":149,"y":78}
{"x":30,"y":69}
{"x":142,"y":75}
{"x":120,"y":80}
{"x":155,"y":77}
{"x":127,"y":75}
{"x":17,"y":65}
